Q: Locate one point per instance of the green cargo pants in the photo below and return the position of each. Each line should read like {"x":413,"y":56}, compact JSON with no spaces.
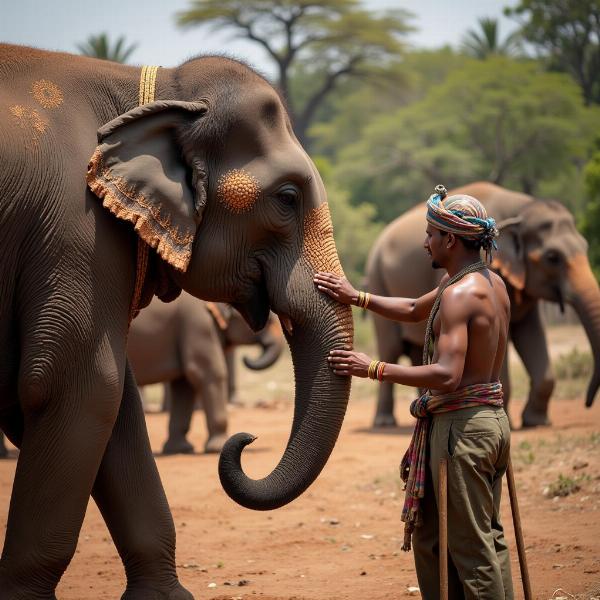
{"x":476,"y":442}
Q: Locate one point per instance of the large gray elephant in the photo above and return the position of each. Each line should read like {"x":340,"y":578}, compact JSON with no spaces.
{"x":541,"y":256}
{"x":183,"y":344}
{"x":119,"y":183}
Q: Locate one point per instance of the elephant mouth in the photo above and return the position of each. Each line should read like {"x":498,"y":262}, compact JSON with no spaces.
{"x":255,"y":310}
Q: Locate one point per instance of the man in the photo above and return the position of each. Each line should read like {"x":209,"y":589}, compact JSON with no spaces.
{"x":460,"y":416}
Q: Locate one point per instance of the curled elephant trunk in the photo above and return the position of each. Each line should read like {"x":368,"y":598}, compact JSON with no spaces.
{"x":320,"y":406}
{"x":272,"y":347}
{"x":586,"y":301}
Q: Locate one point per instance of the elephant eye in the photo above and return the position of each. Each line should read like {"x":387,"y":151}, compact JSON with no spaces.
{"x":288,"y":195}
{"x":553,"y":257}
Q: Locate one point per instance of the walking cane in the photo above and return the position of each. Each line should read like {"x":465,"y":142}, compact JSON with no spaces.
{"x":443,"y":526}
{"x":514,"y":507}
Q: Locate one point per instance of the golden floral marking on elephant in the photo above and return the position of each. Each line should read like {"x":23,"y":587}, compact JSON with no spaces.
{"x":46,"y":93}
{"x":121,"y":200}
{"x":321,"y":254}
{"x":28,"y":118}
{"x":238,"y":190}
{"x":319,"y":247}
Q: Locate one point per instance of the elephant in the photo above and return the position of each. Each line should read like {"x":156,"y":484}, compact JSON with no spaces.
{"x":119,"y":183}
{"x":183,"y":343}
{"x":540,"y":256}
{"x":196,"y":369}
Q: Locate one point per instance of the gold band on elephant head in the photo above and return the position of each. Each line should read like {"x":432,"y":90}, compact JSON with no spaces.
{"x":146,"y":95}
{"x":147,"y":84}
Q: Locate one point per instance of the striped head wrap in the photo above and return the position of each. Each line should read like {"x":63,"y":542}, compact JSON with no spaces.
{"x":464,"y":216}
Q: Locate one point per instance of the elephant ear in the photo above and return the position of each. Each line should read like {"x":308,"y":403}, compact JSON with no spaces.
{"x":138,"y":171}
{"x":509,"y":260}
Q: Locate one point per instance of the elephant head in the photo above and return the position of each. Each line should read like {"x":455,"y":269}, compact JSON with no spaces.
{"x":542,"y":255}
{"x":216,"y":182}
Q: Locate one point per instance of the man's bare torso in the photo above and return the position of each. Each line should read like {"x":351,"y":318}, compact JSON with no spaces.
{"x":484,"y":301}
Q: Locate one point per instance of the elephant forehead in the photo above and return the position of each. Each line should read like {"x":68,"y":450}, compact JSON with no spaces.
{"x":238,"y":190}
{"x":319,"y":247}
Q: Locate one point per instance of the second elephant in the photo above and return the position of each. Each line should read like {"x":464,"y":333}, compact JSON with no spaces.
{"x":541,"y":256}
{"x":183,"y":343}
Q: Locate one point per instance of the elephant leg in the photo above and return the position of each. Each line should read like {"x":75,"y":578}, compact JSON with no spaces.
{"x":390,"y":347}
{"x":529,"y":339}
{"x":131,"y":498}
{"x":232,"y":395}
{"x":215,"y":409}
{"x":63,"y":439}
{"x":182,"y":400}
{"x":506,"y":386}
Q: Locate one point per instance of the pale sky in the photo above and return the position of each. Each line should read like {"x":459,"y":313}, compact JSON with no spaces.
{"x":61,"y":24}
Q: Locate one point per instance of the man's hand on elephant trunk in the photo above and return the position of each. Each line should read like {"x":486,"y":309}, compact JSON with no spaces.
{"x":339,"y":288}
{"x":347,"y":362}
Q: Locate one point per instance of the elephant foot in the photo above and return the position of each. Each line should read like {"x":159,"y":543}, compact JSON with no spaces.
{"x":215,"y":443}
{"x":181,"y":446}
{"x":532,"y":418}
{"x":145,"y":593}
{"x":385,"y":420}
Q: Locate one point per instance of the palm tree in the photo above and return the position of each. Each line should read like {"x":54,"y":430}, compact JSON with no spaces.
{"x":99,"y":46}
{"x":485,"y":42}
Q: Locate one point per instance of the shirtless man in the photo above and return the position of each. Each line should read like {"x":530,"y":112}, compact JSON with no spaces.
{"x":460,"y":416}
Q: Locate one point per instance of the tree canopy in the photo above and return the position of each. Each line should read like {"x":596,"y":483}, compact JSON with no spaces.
{"x":568,"y":33}
{"x":485,"y":41}
{"x":499,"y":120}
{"x":328,"y":41}
{"x":99,"y":46}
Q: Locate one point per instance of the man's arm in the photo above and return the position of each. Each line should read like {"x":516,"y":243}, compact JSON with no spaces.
{"x":445,"y":374}
{"x":398,"y":309}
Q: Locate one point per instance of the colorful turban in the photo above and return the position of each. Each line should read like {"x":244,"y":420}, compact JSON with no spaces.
{"x":463,"y":216}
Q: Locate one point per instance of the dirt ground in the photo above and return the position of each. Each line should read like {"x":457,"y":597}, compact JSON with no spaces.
{"x":341,"y":540}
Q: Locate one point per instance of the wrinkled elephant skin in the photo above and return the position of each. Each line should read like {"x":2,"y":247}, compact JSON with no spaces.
{"x":540,"y":256}
{"x":119,"y":183}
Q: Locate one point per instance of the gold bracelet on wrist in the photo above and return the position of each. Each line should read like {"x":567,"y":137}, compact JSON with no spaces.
{"x":367,"y":300}
{"x":372,"y":368}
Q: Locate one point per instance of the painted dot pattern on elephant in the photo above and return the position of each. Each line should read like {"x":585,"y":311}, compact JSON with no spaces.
{"x":238,"y":190}
{"x":46,"y":93}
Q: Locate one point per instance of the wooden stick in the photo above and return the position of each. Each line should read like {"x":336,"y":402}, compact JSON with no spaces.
{"x":443,"y":526}
{"x":514,"y":507}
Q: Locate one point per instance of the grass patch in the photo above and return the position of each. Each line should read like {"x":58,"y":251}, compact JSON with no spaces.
{"x":574,"y":365}
{"x":565,"y":486}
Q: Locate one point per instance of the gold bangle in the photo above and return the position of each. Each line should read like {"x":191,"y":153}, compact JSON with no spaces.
{"x":360,"y":300}
{"x":371,"y":370}
{"x":380,"y":371}
{"x":367,"y":300}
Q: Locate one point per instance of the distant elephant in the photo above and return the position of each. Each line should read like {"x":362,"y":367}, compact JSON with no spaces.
{"x":541,"y":256}
{"x":184,"y":343}
{"x":118,"y":183}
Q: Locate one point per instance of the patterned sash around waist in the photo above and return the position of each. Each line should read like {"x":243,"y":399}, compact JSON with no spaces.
{"x":413,"y":467}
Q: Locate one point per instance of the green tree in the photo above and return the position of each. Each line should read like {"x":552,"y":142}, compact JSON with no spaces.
{"x":354,"y":227}
{"x":99,"y":46}
{"x":333,"y":39}
{"x":568,"y":33}
{"x":590,"y":220}
{"x":500,"y":120}
{"x":486,"y":41}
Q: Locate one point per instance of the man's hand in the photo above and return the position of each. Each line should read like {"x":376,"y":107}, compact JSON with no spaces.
{"x":339,"y":288}
{"x":346,"y":362}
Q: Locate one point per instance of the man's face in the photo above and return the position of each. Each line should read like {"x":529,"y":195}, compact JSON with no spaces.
{"x":435,"y":245}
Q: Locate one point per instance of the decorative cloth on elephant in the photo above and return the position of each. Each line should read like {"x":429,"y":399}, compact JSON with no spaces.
{"x":413,"y":467}
{"x":463,"y":216}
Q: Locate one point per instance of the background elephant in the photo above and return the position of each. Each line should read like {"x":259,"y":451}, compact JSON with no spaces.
{"x":183,"y":343}
{"x":195,"y":181}
{"x":541,"y":256}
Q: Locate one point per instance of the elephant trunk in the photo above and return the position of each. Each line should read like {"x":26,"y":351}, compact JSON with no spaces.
{"x":586,"y":301}
{"x":272,"y":346}
{"x":320,"y":406}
